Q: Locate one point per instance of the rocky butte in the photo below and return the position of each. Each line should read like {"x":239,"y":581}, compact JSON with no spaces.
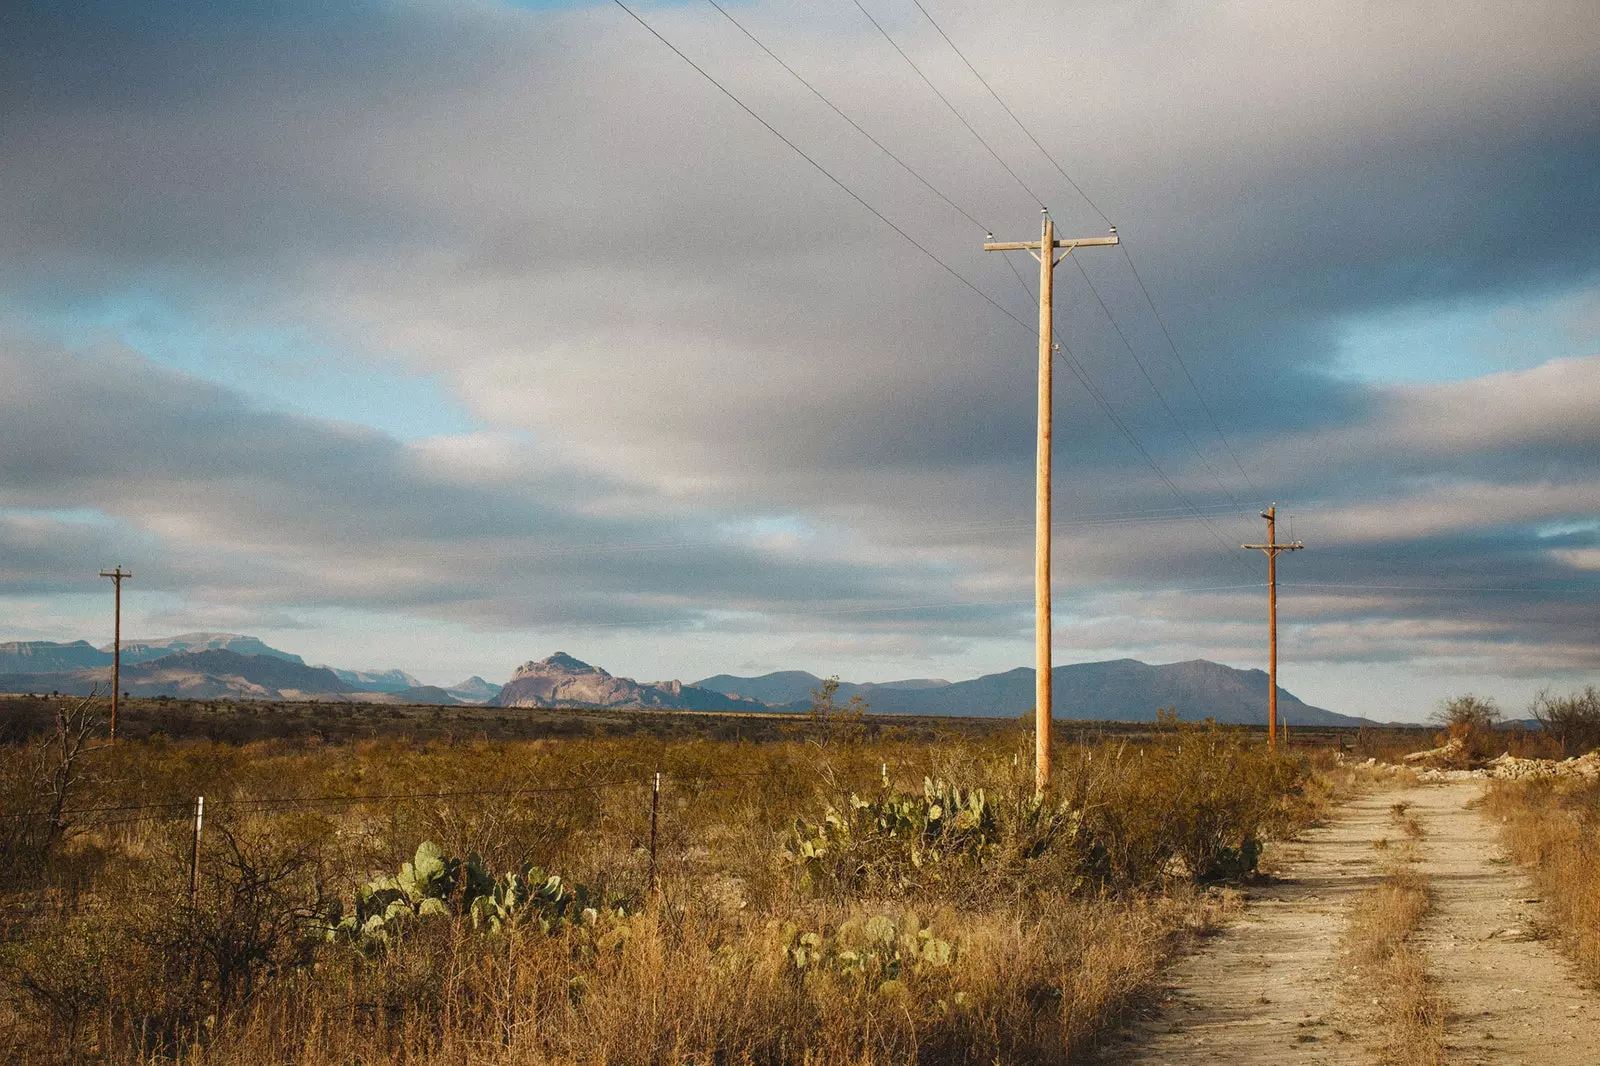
{"x":562,"y":681}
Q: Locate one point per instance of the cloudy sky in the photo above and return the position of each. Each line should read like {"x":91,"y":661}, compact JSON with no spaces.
{"x":446,"y":334}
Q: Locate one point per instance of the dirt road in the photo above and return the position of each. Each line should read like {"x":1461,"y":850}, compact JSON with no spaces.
{"x":1272,"y":988}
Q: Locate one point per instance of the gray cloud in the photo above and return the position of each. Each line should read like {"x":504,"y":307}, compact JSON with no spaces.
{"x":591,"y":246}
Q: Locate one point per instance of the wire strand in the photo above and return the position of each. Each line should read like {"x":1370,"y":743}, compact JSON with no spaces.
{"x":1020,"y":125}
{"x":820,"y":168}
{"x":853,"y":123}
{"x":946,"y":101}
{"x":1171,"y":414}
{"x":1160,"y":321}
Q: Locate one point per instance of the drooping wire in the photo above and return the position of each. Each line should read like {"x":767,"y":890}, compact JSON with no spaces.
{"x":1115,"y":325}
{"x":1127,"y":255}
{"x":824,"y":171}
{"x":853,"y":123}
{"x":1215,"y":425}
{"x":1029,"y":133}
{"x":1082,"y":375}
{"x":946,"y":101}
{"x":1072,"y":360}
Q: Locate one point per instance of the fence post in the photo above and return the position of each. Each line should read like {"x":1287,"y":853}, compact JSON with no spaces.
{"x":655,"y":805}
{"x":194,"y":852}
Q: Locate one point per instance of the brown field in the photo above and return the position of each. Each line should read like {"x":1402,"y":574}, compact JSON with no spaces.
{"x":916,"y":924}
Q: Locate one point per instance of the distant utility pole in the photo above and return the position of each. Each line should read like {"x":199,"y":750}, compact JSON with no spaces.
{"x":1044,"y":251}
{"x":1272,"y":548}
{"x":116,"y":577}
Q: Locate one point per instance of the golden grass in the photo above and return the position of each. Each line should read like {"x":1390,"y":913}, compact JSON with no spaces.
{"x":1388,"y":967}
{"x":1046,"y":951}
{"x":1553,"y":829}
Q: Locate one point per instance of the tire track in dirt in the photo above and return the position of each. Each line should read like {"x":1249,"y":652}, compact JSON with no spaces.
{"x":1266,"y":988}
{"x":1272,"y":987}
{"x":1513,"y":997}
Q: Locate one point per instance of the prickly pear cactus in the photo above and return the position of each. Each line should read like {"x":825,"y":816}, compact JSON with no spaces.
{"x":433,"y":885}
{"x":894,"y":840}
{"x":880,"y":951}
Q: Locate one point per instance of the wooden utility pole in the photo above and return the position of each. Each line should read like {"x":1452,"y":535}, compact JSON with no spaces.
{"x":1272,"y":548}
{"x":1044,"y":251}
{"x":116,"y":577}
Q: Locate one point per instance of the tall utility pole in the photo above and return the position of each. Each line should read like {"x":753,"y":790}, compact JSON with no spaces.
{"x":1272,"y":548}
{"x":116,"y":577}
{"x":1044,"y":251}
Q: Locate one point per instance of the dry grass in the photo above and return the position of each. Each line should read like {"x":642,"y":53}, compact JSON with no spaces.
{"x":1050,"y":939}
{"x":1553,"y":829}
{"x":1388,"y":968}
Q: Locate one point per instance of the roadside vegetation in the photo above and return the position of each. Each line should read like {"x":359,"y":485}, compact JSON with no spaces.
{"x":1551,"y":826}
{"x":1387,"y":966}
{"x":850,"y":894}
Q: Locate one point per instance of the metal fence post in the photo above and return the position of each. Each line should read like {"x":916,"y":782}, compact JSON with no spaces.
{"x":194,"y":853}
{"x":655,"y":806}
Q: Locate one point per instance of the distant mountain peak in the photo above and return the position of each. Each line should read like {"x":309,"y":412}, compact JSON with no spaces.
{"x":137,"y":651}
{"x":560,"y":680}
{"x":558,"y":663}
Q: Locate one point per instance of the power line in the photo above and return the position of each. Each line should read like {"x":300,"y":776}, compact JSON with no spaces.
{"x":1077,"y":368}
{"x":1152,"y":382}
{"x":946,"y":101}
{"x":1215,"y":425}
{"x":821,"y":169}
{"x":985,"y":83}
{"x":1082,"y":375}
{"x":853,"y":123}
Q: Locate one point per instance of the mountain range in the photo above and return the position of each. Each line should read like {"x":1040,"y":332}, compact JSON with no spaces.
{"x":213,"y":666}
{"x":1120,"y":690}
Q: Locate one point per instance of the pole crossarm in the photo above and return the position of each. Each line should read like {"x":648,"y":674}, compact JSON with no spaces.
{"x":1272,"y":549}
{"x":1034,"y":246}
{"x":1043,"y":250}
{"x":116,"y":575}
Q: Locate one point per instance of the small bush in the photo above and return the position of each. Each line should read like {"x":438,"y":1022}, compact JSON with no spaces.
{"x":1469,"y":723}
{"x":1572,"y":721}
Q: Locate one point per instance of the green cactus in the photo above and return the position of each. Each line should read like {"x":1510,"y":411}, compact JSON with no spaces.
{"x":433,"y":885}
{"x":880,"y":952}
{"x":894,"y":840}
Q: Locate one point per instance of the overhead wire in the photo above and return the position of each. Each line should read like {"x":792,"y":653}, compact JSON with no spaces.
{"x":1029,"y":133}
{"x":824,"y":171}
{"x":1072,"y":361}
{"x":1151,"y":381}
{"x":1128,"y":256}
{"x":1082,"y":374}
{"x":1173,"y":347}
{"x":853,"y":123}
{"x":946,"y":101}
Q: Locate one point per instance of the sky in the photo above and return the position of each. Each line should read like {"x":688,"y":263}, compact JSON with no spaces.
{"x":444,"y":335}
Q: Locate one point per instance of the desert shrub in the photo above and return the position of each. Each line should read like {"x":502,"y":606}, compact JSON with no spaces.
{"x":1469,"y":723}
{"x":1199,"y":806}
{"x":1005,"y":947}
{"x":893,"y":841}
{"x":39,"y":784}
{"x":1553,"y":828}
{"x":1572,"y":721}
{"x":434,"y":886}
{"x":143,"y":958}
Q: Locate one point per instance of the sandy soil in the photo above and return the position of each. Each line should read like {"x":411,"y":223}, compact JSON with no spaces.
{"x":1271,"y":987}
{"x":1513,"y":997}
